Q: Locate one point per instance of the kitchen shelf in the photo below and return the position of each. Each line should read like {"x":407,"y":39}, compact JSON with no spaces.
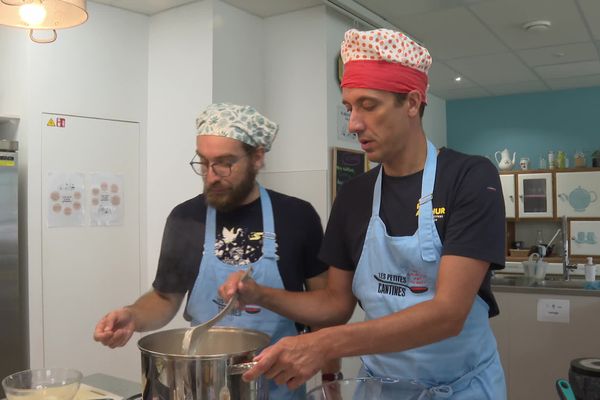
{"x":570,"y":169}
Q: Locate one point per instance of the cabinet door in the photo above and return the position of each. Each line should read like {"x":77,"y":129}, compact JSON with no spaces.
{"x":508,"y":190}
{"x":87,"y":270}
{"x":577,"y":194}
{"x":535,"y":195}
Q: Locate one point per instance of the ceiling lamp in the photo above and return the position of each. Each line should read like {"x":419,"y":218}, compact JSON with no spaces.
{"x":37,"y":15}
{"x":540,"y":25}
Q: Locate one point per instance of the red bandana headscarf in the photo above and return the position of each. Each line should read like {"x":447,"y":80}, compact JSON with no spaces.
{"x":383,"y":59}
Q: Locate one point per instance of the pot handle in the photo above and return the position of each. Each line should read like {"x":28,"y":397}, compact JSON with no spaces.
{"x":239,"y":369}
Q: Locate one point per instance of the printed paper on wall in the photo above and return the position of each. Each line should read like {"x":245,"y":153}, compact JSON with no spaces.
{"x":343,"y":118}
{"x":65,"y":199}
{"x":106,"y":199}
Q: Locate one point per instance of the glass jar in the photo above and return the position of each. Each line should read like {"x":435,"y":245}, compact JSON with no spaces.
{"x":551,"y":160}
{"x":561,"y":159}
{"x":579,"y":159}
{"x":542,"y":164}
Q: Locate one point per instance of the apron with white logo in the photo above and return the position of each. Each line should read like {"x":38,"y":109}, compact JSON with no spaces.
{"x":204,"y":301}
{"x":395,"y":273}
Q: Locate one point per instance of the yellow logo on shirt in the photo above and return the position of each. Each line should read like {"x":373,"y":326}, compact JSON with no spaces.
{"x":255,"y":236}
{"x":438,"y":212}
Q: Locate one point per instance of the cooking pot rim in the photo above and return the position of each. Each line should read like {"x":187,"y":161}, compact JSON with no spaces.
{"x":144,"y":350}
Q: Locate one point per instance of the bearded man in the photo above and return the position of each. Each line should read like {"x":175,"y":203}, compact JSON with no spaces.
{"x":235,"y":223}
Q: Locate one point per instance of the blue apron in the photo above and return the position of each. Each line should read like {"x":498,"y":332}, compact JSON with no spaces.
{"x":395,"y":273}
{"x":204,"y":301}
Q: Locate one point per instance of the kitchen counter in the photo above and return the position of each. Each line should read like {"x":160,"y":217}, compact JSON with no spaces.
{"x":128,"y":390}
{"x":534,"y":349}
{"x":552,"y":284}
{"x":118,"y":386}
{"x":515,"y":267}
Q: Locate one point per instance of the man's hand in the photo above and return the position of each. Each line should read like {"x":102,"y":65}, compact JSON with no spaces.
{"x":292,"y":360}
{"x":249,"y":292}
{"x":116,"y":328}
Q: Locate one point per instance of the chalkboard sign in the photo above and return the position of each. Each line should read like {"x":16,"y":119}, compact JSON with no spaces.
{"x":346,"y":165}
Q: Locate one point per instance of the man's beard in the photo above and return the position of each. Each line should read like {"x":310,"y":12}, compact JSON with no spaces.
{"x":233,"y":197}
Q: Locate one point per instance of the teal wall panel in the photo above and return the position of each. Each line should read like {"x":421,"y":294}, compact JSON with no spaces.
{"x":528,"y":124}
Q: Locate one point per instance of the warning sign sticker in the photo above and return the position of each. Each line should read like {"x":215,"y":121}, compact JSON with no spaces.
{"x":59,"y":123}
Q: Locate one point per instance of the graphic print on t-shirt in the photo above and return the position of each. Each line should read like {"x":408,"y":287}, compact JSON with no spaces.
{"x":236,"y":246}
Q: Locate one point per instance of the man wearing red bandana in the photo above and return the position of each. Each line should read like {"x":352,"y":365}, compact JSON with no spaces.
{"x":414,"y":241}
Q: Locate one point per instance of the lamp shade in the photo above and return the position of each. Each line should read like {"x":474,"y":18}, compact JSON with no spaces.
{"x":59,"y":13}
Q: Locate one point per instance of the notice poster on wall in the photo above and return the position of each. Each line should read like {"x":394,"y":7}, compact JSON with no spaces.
{"x":65,"y":199}
{"x":106,"y":199}
{"x":343,"y":118}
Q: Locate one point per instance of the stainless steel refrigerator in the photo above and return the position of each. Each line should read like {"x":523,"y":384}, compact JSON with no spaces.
{"x":13,"y":278}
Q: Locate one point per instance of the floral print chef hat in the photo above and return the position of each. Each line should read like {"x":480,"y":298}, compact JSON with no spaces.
{"x":242,"y":123}
{"x":384,"y":59}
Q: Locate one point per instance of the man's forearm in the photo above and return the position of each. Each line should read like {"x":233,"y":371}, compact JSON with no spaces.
{"x":421,"y":324}
{"x":313,"y":308}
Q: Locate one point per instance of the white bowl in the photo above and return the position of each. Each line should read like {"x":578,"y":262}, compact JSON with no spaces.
{"x":38,"y":384}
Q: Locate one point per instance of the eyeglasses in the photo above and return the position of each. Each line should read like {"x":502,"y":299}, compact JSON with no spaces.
{"x":220,"y":168}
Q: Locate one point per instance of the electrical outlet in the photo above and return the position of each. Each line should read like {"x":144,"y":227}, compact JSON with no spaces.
{"x":553,"y":310}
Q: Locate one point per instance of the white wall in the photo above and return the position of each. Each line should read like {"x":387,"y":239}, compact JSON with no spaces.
{"x":179,"y":86}
{"x":277,"y":65}
{"x":434,"y":120}
{"x":295,"y":97}
{"x":101,"y":69}
{"x":97,"y":69}
{"x":337,"y":25}
{"x":238,"y":57}
{"x":12,"y":80}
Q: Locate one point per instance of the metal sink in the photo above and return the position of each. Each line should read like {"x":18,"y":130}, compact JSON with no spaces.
{"x":560,"y":284}
{"x":551,"y":282}
{"x":511,"y":280}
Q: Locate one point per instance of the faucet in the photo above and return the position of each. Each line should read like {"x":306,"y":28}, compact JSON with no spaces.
{"x":567,"y":266}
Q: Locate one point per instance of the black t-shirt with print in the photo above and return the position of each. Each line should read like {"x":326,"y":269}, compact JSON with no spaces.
{"x":468,"y":211}
{"x":298,"y":233}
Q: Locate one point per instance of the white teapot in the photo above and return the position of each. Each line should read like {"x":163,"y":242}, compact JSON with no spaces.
{"x":505,"y":163}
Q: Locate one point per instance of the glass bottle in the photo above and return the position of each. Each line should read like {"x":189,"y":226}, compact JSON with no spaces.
{"x":543,"y":163}
{"x":540,"y":237}
{"x":551,"y":160}
{"x":561,"y":159}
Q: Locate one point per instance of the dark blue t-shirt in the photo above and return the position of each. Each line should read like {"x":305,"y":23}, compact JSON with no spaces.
{"x":298,"y":233}
{"x":468,"y":211}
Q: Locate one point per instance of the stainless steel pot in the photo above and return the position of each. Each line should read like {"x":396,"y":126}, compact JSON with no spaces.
{"x":214,"y":372}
